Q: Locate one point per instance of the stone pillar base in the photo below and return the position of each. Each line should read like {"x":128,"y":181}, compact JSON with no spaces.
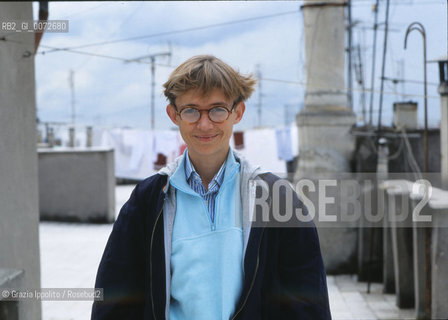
{"x":325,"y":142}
{"x":326,"y":148}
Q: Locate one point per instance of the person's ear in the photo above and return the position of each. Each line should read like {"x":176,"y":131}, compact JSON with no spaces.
{"x":171,"y":111}
{"x":239,"y":112}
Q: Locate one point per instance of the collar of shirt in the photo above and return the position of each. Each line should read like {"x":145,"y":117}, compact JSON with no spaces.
{"x":194,"y":179}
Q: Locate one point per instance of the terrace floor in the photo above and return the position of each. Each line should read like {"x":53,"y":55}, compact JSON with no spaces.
{"x":71,"y":252}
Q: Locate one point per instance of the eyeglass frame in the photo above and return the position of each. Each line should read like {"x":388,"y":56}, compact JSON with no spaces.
{"x":208,"y":112}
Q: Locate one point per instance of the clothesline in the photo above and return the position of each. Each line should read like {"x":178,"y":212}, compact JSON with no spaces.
{"x":141,"y":153}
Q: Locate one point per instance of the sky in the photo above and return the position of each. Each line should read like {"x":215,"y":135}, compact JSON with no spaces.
{"x":263,"y":38}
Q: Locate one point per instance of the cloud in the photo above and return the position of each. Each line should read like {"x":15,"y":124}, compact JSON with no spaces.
{"x":109,"y":87}
{"x":119,"y":93}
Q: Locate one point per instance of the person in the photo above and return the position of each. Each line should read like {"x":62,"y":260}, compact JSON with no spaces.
{"x":182,"y":246}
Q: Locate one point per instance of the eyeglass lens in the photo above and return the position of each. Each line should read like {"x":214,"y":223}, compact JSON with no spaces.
{"x":216,"y":114}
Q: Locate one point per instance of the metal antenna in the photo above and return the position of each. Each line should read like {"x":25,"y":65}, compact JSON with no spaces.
{"x":152,"y":58}
{"x":259,"y":95}
{"x":71,"y":82}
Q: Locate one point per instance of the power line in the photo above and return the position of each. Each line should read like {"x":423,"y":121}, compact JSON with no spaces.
{"x":178,"y":31}
{"x":301,"y":83}
{"x":95,"y":55}
{"x":104,"y":56}
{"x":90,"y":9}
{"x":70,"y":49}
{"x":294,"y":82}
{"x":397,"y":80}
{"x":113,"y":33}
{"x":363,"y":3}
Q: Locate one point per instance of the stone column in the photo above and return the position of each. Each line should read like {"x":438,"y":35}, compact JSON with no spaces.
{"x":325,"y":143}
{"x":19,"y":209}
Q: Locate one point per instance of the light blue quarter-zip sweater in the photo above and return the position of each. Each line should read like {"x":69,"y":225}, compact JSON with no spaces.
{"x":206,"y":256}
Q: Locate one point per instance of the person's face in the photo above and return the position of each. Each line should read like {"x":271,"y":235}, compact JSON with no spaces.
{"x":205,"y":138}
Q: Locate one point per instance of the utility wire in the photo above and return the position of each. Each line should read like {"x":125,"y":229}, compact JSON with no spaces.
{"x":178,"y":31}
{"x":396,"y":80}
{"x":302,"y":83}
{"x":362,"y":3}
{"x":113,"y":33}
{"x":97,"y":55}
{"x":88,"y":54}
{"x":89,"y":10}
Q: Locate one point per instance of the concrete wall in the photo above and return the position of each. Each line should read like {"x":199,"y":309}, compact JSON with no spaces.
{"x":19,"y":207}
{"x":77,"y":185}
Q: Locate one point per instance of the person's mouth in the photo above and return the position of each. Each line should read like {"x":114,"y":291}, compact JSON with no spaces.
{"x":206,"y":137}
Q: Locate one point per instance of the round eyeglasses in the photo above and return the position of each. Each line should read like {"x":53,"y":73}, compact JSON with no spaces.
{"x":216,"y":114}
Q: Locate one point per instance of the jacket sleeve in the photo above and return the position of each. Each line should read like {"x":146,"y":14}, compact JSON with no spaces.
{"x":121,"y":270}
{"x":301,"y":272}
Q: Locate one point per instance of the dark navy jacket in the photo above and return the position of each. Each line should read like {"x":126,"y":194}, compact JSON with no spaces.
{"x":284,"y":275}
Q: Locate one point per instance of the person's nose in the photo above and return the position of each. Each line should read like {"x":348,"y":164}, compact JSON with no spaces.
{"x":204,"y":123}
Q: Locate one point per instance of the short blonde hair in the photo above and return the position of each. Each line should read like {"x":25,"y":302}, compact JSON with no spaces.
{"x":205,"y":73}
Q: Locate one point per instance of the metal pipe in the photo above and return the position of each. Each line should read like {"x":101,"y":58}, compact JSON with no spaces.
{"x":349,"y":52}
{"x":419,"y":27}
{"x":372,"y":81}
{"x":361,"y":77}
{"x":386,"y":32}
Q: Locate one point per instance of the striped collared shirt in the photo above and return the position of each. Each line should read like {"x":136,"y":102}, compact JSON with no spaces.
{"x":195,"y":182}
